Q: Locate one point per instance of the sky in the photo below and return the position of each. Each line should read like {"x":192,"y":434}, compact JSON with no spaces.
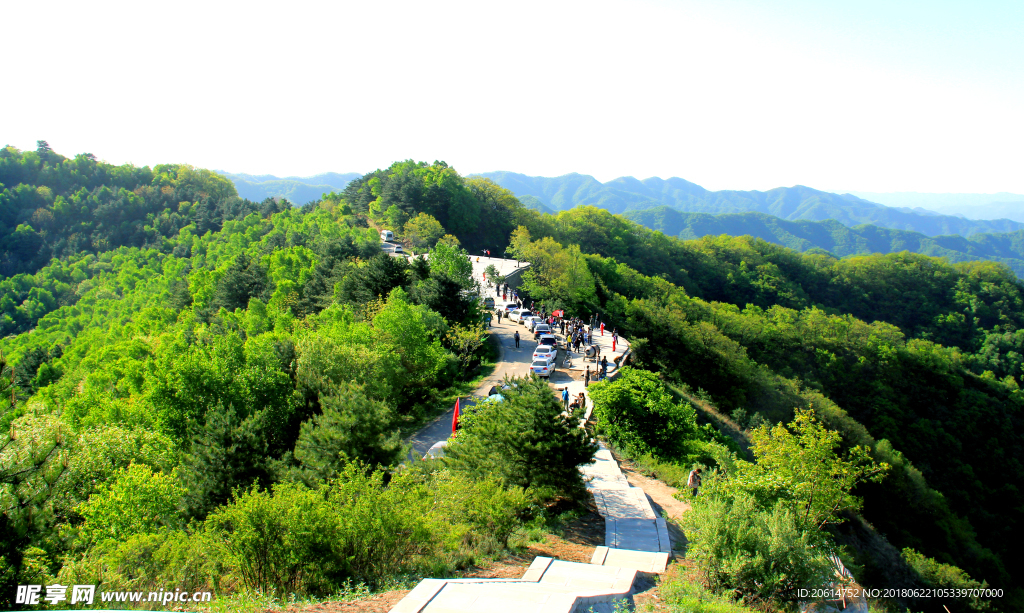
{"x":878,"y":96}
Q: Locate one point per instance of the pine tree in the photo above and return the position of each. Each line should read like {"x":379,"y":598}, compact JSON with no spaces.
{"x":525,"y":440}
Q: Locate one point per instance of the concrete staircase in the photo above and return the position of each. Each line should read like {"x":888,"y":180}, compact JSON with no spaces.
{"x":630,"y":522}
{"x":548,"y":586}
{"x":636,"y":541}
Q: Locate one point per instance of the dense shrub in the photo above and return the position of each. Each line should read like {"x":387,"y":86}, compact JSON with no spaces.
{"x":357,"y":527}
{"x":636,"y":411}
{"x":762,"y":554}
{"x":757,"y":532}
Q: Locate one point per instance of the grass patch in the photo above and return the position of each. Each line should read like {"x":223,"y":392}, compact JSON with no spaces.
{"x":681,"y":590}
{"x":249,"y":601}
{"x":709,"y":413}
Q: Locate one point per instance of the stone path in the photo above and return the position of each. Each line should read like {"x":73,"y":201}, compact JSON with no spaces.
{"x":630,"y":521}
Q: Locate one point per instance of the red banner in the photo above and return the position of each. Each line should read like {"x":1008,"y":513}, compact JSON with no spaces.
{"x":455,"y":417}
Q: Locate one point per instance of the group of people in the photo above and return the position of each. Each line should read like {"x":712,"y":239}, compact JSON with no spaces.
{"x":501,"y":289}
{"x":573,"y":402}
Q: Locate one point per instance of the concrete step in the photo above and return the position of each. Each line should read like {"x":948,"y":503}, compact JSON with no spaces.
{"x":643,"y":561}
{"x":445,"y":596}
{"x":602,"y":481}
{"x":637,"y":534}
{"x":442,"y":596}
{"x":548,"y":586}
{"x":630,"y":502}
{"x":605,"y":578}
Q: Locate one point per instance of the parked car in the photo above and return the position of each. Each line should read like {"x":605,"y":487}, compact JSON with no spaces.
{"x":436,"y":450}
{"x":530,"y":322}
{"x":541,"y":329}
{"x":519,"y":314}
{"x":542,"y":368}
{"x":489,"y":302}
{"x":548,"y":340}
{"x":545,"y":352}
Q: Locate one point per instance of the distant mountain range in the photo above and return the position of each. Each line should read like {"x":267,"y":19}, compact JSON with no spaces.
{"x":788,"y":203}
{"x":831,"y":236}
{"x":972,"y":206}
{"x":297,"y":190}
{"x":799,"y":217}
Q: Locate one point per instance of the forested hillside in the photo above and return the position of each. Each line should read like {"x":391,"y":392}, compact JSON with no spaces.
{"x":914,"y":357}
{"x":181,"y":389}
{"x":834,"y":237}
{"x":161,"y":387}
{"x":789,"y":203}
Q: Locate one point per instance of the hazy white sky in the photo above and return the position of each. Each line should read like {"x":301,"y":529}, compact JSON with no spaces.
{"x":731,"y":94}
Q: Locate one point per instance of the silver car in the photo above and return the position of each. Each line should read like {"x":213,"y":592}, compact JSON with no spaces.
{"x":542,"y":368}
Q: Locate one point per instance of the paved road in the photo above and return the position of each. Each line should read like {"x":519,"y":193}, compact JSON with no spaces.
{"x":512,"y":362}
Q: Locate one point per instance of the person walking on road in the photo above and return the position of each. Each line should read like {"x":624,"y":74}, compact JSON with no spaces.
{"x":517,"y":339}
{"x":604,"y":367}
{"x":586,"y":377}
{"x":693,"y":482}
{"x":602,"y":328}
{"x":565,"y":397}
{"x":499,"y":318}
{"x":615,"y":339}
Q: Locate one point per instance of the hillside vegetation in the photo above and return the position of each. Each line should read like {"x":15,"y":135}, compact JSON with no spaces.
{"x":789,"y":203}
{"x":220,"y":407}
{"x":910,"y":356}
{"x":179,"y":404}
{"x":835,"y":238}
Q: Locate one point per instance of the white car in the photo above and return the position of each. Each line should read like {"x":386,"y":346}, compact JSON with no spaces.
{"x":436,"y":450}
{"x":519,"y":314}
{"x":541,"y":329}
{"x":545,"y":352}
{"x":542,"y":368}
{"x":548,"y":340}
{"x":531,"y":321}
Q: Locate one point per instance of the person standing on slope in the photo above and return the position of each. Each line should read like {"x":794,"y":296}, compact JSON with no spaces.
{"x":693,"y":481}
